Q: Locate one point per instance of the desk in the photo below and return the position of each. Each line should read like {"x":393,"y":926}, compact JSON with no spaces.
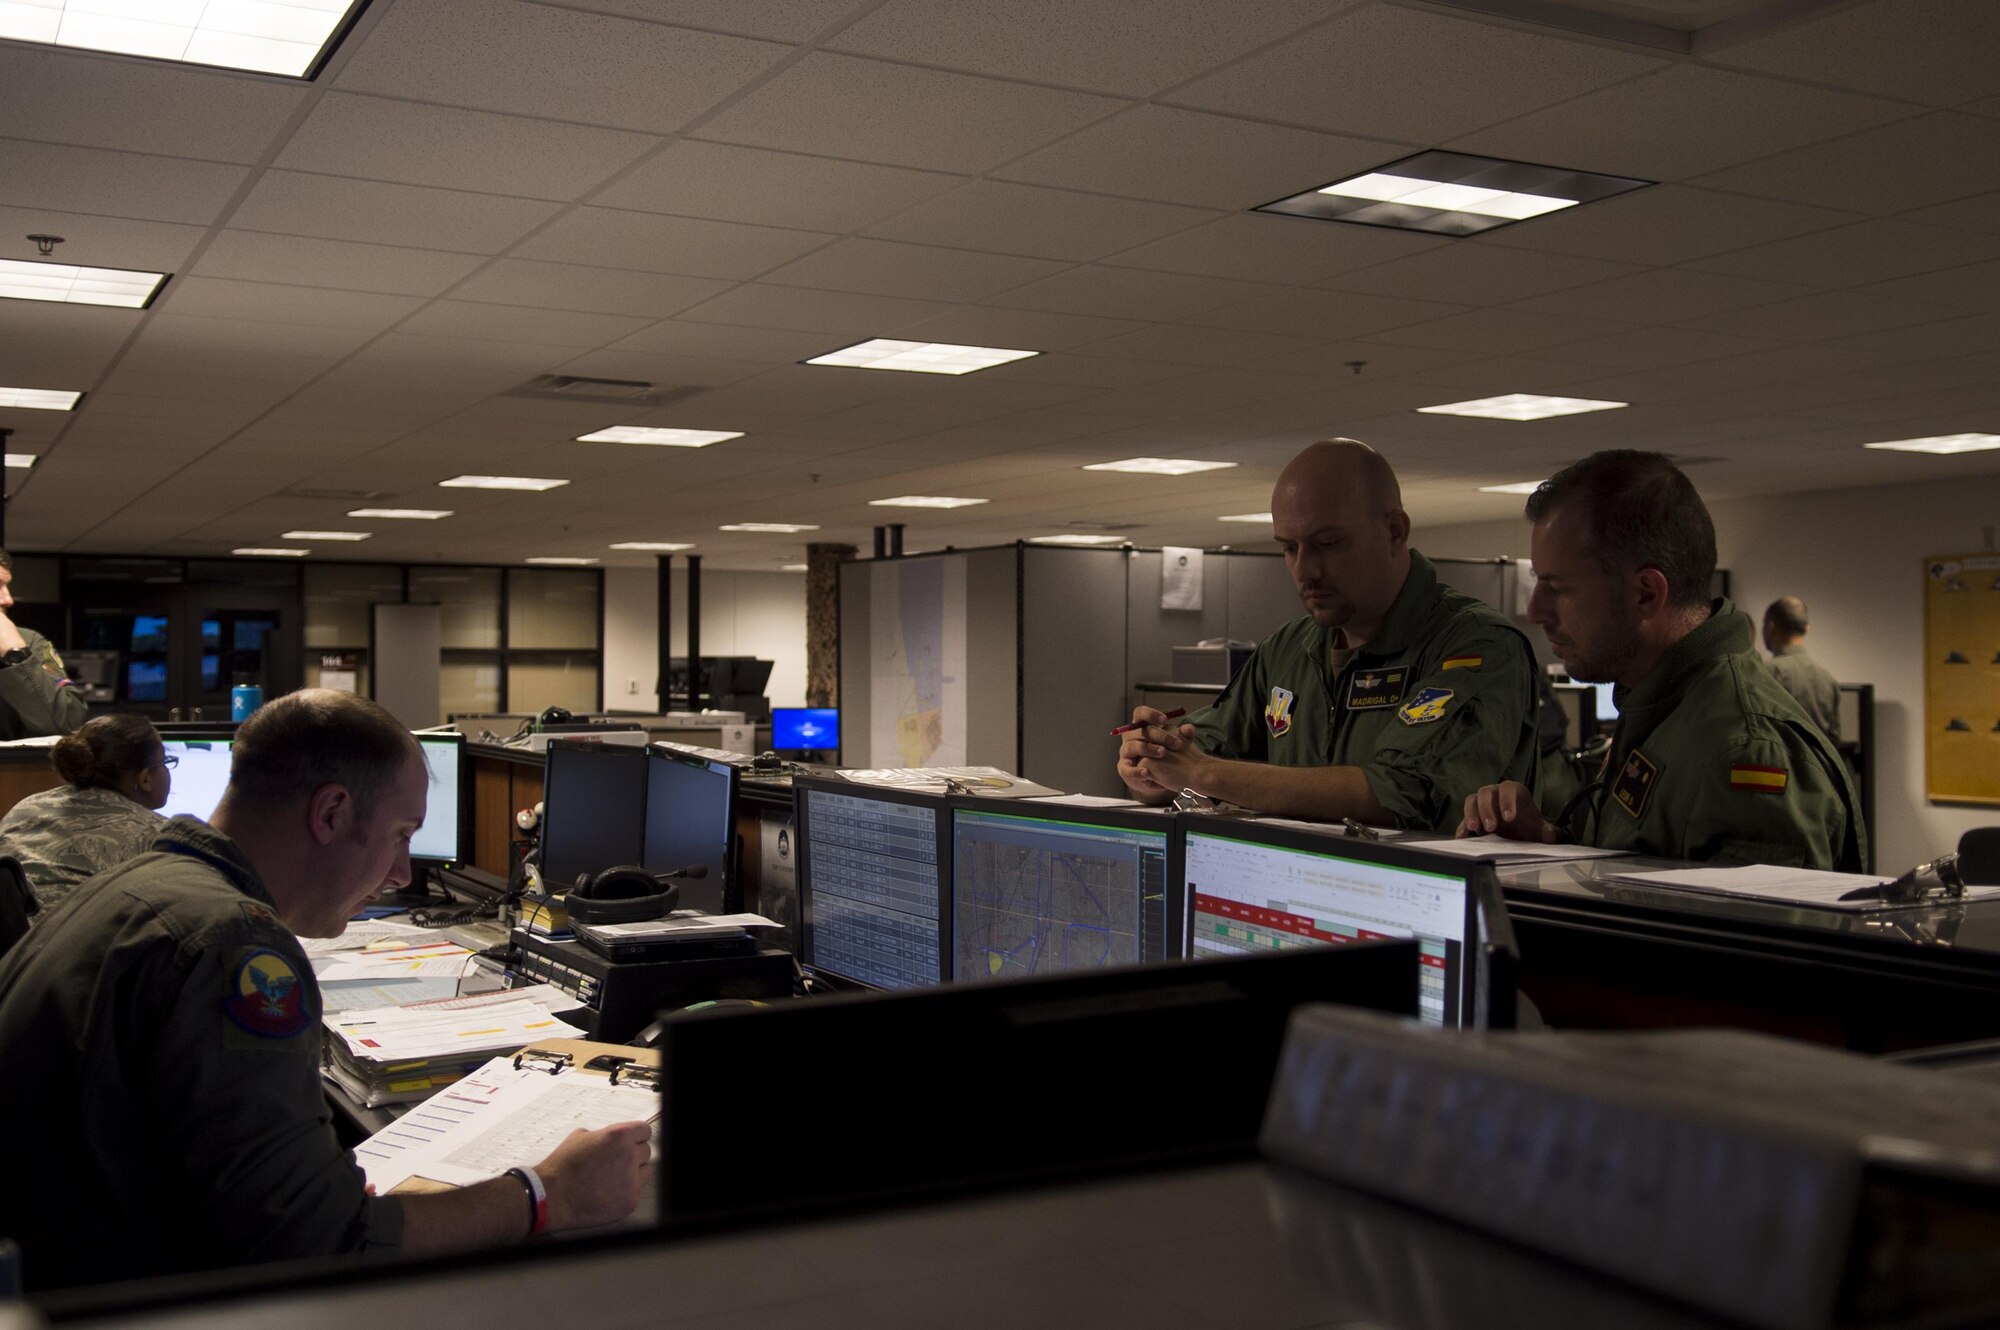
{"x":24,"y":771}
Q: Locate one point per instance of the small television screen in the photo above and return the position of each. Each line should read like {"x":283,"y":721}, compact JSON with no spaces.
{"x":146,"y":681}
{"x":149,"y":632}
{"x":805,"y":727}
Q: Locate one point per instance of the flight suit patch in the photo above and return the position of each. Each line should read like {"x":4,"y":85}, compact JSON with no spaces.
{"x":1278,"y":712}
{"x":1634,"y":786}
{"x":1427,"y":706}
{"x":1463,"y":662}
{"x":260,"y":915}
{"x":1372,"y":690}
{"x":265,"y":996}
{"x":1770,"y":780}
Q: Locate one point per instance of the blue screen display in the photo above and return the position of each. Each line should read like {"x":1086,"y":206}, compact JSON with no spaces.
{"x":805,"y":727}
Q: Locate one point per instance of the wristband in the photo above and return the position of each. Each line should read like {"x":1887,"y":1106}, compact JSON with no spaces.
{"x":538,"y":1199}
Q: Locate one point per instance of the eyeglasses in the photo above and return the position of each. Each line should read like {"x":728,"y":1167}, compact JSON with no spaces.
{"x":170,"y":761}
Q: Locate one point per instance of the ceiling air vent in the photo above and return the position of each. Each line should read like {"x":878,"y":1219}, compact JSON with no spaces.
{"x":604,"y":392}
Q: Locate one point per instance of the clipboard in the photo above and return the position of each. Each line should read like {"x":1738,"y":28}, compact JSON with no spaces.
{"x":511,"y":1111}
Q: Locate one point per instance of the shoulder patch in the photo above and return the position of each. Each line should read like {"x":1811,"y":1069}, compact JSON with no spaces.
{"x":265,"y":997}
{"x":1463,"y":662}
{"x":1278,"y":712}
{"x":259,"y":915}
{"x":1769,"y":780}
{"x":1372,"y":690}
{"x":1428,"y":705}
{"x":1633,"y":786}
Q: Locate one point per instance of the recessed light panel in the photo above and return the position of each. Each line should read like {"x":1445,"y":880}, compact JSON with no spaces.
{"x":1076,"y":538}
{"x":67,"y":284}
{"x":1453,"y":194}
{"x":656,"y":546}
{"x":535,"y":483}
{"x":21,"y":461}
{"x":1942,"y":444}
{"x":412,"y":514}
{"x":769,"y":528}
{"x":663,"y":438}
{"x":273,"y":552}
{"x":923,"y":501}
{"x":1521,"y":406}
{"x":919,"y":357}
{"x":560,"y":560}
{"x":327,"y":535}
{"x":286,"y":37}
{"x":1263,"y":518}
{"x":1518,"y":487}
{"x":1159,"y":466}
{"x":39,"y":399}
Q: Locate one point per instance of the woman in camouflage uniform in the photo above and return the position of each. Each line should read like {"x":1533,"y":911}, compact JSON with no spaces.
{"x":116,"y":772}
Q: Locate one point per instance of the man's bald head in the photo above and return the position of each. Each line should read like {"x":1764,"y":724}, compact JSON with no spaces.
{"x":1337,"y":513}
{"x":1340,"y":467}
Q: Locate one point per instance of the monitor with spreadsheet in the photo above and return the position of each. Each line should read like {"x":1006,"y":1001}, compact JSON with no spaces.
{"x":691,"y":819}
{"x":593,"y":809}
{"x":1257,"y":887}
{"x":1043,"y":890}
{"x":874,"y":871}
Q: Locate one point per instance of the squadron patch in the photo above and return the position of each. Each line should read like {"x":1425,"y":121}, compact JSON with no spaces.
{"x":1372,"y":690}
{"x":1634,"y":783}
{"x":1278,"y":712}
{"x":1771,"y":780}
{"x":265,"y":997}
{"x":1427,"y":706}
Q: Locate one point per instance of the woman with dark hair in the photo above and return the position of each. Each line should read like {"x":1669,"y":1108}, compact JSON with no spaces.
{"x":117,"y":772}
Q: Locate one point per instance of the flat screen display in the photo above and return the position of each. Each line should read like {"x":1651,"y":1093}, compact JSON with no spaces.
{"x":805,"y":727}
{"x":872,"y":883}
{"x":594,"y":810}
{"x":690,"y":820}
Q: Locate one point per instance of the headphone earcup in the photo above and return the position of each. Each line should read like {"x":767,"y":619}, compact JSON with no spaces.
{"x":626,"y":894}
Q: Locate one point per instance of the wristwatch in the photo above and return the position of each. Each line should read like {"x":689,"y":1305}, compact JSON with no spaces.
{"x":18,"y":656}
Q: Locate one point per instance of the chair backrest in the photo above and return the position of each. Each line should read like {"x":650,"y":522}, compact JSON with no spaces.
{"x":17,"y":902}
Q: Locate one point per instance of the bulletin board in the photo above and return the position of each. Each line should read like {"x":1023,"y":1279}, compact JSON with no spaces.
{"x":1962,"y":678}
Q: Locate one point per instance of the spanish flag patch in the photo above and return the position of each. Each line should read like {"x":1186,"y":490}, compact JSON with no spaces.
{"x":1771,"y":780}
{"x":1464,"y":662}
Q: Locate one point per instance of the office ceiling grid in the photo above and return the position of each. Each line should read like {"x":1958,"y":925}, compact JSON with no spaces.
{"x":700,"y":195}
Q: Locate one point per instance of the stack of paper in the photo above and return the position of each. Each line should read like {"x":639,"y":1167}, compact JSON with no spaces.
{"x":989,"y":781}
{"x":398,"y":1055}
{"x":390,"y":970}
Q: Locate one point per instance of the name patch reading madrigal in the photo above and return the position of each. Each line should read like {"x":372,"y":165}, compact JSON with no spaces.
{"x":1371,"y":690}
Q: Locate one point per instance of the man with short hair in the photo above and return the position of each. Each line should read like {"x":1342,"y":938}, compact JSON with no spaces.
{"x":160,"y":1035}
{"x":36,"y":699}
{"x":1816,"y":691}
{"x":1711,"y":760}
{"x":1392,"y":699}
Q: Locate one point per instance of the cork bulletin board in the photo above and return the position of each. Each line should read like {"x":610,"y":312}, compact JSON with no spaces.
{"x":1962,"y":678}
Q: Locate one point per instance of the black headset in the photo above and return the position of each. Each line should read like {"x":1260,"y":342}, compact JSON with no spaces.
{"x":626,"y":894}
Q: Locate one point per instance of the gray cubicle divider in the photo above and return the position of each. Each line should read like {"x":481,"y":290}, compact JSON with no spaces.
{"x":1073,"y":654}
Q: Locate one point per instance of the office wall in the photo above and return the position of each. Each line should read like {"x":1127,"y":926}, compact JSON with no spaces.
{"x":1855,"y":557}
{"x":742,"y":614}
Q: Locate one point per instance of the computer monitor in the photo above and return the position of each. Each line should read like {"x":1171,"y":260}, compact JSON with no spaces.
{"x":145,"y":681}
{"x":736,"y":675}
{"x":805,"y":729}
{"x":1043,"y":891}
{"x":200,"y":776}
{"x":149,"y":632}
{"x":593,"y":809}
{"x":874,"y":871}
{"x":691,"y":819}
{"x":1606,"y":710}
{"x":1253,"y":888}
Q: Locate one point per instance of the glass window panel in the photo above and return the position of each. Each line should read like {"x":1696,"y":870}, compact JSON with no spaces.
{"x":553,"y":681}
{"x":552,"y":608}
{"x":339,"y":599}
{"x":468,"y":683}
{"x":470,"y":598}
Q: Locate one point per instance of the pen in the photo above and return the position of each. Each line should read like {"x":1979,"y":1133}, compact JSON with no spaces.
{"x":1175,"y":714}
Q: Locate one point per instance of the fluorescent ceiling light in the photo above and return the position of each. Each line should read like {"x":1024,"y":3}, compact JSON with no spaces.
{"x":326,"y":535}
{"x":39,"y":399}
{"x":66,"y":283}
{"x":273,"y":552}
{"x":264,"y":36}
{"x":791,"y":568}
{"x":1518,"y":487}
{"x":1451,"y":193}
{"x":535,"y":483}
{"x":772,"y":528}
{"x":923,"y":501}
{"x":414,"y":514}
{"x":22,"y":461}
{"x":1076,"y":538}
{"x":1942,"y":444}
{"x":659,"y":546}
{"x":919,"y":357}
{"x":1521,"y":406}
{"x":1245,"y":517}
{"x":1159,"y":466}
{"x":666,"y":438}
{"x":559,"y":560}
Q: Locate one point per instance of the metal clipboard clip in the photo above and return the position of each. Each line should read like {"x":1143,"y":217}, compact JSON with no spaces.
{"x":626,"y":1071}
{"x":541,"y":1059}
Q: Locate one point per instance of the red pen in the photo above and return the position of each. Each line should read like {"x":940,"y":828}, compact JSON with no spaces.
{"x":1175,"y":714}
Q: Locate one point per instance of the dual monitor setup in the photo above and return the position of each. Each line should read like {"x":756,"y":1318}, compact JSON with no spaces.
{"x":900,"y":890}
{"x":665,"y":810}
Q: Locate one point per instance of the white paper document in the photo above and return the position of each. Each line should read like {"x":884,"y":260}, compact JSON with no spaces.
{"x":1087,"y":801}
{"x":412,"y":1034}
{"x":990,"y":781}
{"x":1792,"y":886}
{"x":683,"y":923}
{"x":366,"y":994}
{"x":445,"y":962}
{"x":1513,"y":851}
{"x":366,"y":933}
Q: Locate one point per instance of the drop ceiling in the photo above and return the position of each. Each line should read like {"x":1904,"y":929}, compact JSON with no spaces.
{"x":700,"y":194}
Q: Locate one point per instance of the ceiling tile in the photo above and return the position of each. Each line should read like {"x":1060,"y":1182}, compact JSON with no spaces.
{"x":66,"y":347}
{"x":1974,"y":286}
{"x":676,"y":337}
{"x":337,"y":209}
{"x":1022,"y":329}
{"x":1207,"y":161}
{"x":1183,"y":345}
{"x":538,"y":60}
{"x":844,"y":106}
{"x":1046,"y":223}
{"x":651,"y":242}
{"x":729,"y":183}
{"x":258,"y":256}
{"x":1090,"y":370}
{"x":1961,"y":336}
{"x":1268,"y":247}
{"x":108,"y":101}
{"x":1938,"y":52}
{"x":597,"y":290}
{"x":1329,"y":314}
{"x":1825,"y":315}
{"x":505,"y":323}
{"x":1644,"y":347}
{"x":1719,"y":118}
{"x":1668,"y":224}
{"x":377,"y":138}
{"x":1104,"y":45}
{"x":777,"y":20}
{"x":658,"y":368}
{"x":1663,"y":295}
{"x":838,"y":314}
{"x":267,"y":302}
{"x":1354,"y":75}
{"x":1856,"y":254}
{"x":1477,"y":274}
{"x":1125,"y":293}
{"x":1496,"y":331}
{"x":103,"y":242}
{"x":921,"y":272}
{"x":116,"y":184}
{"x":1924,"y":160}
{"x":1980,"y":212}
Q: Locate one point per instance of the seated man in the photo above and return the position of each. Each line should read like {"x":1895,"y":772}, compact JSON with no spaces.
{"x":160,"y":1036}
{"x":1711,"y":760}
{"x":1392,"y":699}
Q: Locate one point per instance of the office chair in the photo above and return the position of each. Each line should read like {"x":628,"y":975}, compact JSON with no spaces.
{"x":17,"y":902}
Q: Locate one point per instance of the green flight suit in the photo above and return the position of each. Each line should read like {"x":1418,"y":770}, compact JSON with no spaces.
{"x":159,"y":1045}
{"x":35,"y":696}
{"x":1712,"y":761}
{"x":1815,"y":690}
{"x":1442,"y":702}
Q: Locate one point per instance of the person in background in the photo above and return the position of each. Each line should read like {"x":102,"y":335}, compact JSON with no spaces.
{"x":35,"y":696}
{"x":1796,"y":672}
{"x":116,"y":772}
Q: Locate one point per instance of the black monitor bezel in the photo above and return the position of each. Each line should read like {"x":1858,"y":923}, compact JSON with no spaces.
{"x":1127,"y":819}
{"x":802,"y":863}
{"x":550,"y":788}
{"x":733,"y":777}
{"x":466,"y":800}
{"x":1389,"y":854}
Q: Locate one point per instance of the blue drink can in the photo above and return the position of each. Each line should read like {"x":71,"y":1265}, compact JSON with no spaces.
{"x":244,"y":698}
